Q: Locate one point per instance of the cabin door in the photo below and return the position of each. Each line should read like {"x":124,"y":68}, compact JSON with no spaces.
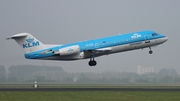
{"x":147,"y":39}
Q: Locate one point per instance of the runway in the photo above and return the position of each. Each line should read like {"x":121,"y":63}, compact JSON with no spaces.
{"x":89,"y":89}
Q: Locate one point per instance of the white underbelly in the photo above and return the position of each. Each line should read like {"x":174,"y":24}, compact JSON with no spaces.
{"x":132,"y":46}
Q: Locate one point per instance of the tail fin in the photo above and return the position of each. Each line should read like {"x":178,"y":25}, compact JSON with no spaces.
{"x":28,"y":42}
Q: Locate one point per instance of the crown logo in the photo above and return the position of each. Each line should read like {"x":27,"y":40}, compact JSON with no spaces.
{"x":30,"y":40}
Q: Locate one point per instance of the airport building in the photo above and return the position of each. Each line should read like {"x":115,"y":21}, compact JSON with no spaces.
{"x":142,"y":70}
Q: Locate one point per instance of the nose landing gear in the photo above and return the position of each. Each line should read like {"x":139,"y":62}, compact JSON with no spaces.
{"x":150,"y":52}
{"x":92,"y":62}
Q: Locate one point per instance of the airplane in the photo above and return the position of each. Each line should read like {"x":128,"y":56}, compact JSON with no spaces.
{"x":89,"y":49}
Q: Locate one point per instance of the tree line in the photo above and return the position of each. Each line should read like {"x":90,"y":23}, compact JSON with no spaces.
{"x":30,"y":73}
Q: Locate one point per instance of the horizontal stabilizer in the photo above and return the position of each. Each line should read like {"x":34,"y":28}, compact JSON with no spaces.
{"x":18,"y":36}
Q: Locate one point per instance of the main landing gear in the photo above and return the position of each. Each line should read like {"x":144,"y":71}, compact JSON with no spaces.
{"x":150,"y":52}
{"x":92,"y":62}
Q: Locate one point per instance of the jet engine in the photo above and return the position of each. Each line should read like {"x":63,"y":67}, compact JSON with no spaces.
{"x":70,"y":50}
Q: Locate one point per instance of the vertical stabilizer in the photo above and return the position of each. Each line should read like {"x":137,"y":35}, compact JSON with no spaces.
{"x":28,"y":42}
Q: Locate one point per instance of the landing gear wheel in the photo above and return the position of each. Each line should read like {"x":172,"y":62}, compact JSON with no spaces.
{"x":92,"y":62}
{"x":150,"y":52}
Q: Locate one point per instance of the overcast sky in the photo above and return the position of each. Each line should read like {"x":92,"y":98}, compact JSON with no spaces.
{"x":66,"y":21}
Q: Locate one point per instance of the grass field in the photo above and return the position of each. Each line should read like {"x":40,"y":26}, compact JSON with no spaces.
{"x":90,"y":96}
{"x":88,"y":86}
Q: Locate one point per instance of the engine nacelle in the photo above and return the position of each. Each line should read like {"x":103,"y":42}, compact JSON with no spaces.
{"x":68,"y":50}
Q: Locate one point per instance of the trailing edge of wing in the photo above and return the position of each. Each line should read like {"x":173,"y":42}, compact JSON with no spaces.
{"x":103,"y":49}
{"x":98,"y":50}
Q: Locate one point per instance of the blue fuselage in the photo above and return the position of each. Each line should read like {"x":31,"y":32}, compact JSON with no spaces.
{"x":98,"y":47}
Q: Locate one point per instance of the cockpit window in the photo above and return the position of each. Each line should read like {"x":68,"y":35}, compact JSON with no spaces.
{"x":154,"y":34}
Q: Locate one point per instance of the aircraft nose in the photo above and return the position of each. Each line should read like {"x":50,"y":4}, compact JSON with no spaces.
{"x":165,"y":38}
{"x":162,"y":39}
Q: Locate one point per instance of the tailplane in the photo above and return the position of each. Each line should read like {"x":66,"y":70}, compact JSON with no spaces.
{"x":28,"y":42}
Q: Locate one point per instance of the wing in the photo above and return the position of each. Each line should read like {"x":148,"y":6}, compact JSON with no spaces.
{"x":97,"y":52}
